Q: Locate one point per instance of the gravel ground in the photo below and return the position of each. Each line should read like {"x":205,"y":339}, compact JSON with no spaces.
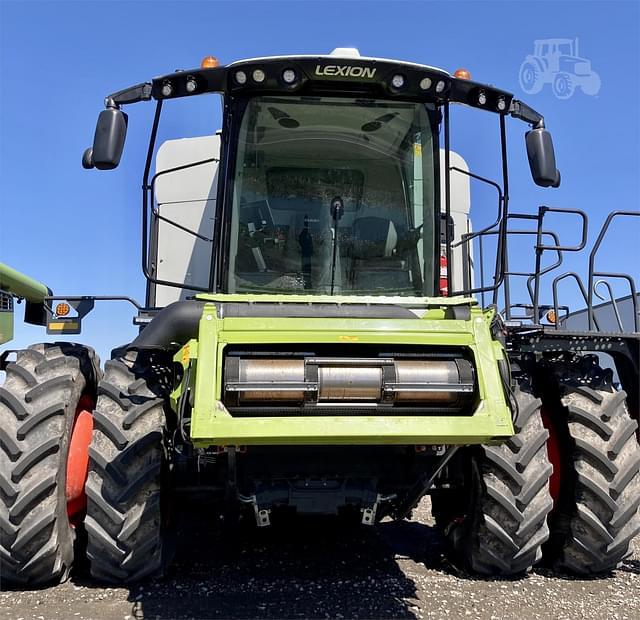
{"x":313,"y":569}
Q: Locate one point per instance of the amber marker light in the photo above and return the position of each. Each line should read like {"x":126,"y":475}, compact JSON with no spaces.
{"x":462,"y":74}
{"x":63,"y":309}
{"x":209,"y":62}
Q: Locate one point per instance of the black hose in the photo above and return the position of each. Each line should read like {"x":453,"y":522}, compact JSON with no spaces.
{"x":172,"y":327}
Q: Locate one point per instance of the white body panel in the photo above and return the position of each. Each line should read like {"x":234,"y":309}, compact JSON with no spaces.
{"x":188,"y":197}
{"x":460,"y":206}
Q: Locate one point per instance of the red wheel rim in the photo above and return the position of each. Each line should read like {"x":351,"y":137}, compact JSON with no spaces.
{"x":555,"y":455}
{"x":78,"y":460}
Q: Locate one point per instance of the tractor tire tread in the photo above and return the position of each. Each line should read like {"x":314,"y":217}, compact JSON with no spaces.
{"x":42,"y":416}
{"x":508,"y":527}
{"x":32,"y":496}
{"x":505,"y":524}
{"x":601,"y":516}
{"x":125,"y":468}
{"x":38,"y":403}
{"x":9,"y":445}
{"x":22,"y":372}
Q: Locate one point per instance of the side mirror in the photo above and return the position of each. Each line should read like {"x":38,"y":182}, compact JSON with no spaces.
{"x":108,"y":141}
{"x":542,"y":159}
{"x":87,"y":159}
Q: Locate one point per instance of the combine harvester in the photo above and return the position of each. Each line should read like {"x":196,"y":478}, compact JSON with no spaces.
{"x":315,"y":339}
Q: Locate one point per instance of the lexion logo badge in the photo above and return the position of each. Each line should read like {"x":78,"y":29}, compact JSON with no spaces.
{"x":346,"y":71}
{"x":557,"y":62}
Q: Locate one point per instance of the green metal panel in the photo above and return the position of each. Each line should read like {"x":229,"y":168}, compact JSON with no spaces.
{"x":212,"y":424}
{"x":6,"y":317}
{"x":19,"y":285}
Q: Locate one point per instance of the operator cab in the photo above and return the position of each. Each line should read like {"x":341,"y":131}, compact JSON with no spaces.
{"x":328,"y":179}
{"x":331,"y":195}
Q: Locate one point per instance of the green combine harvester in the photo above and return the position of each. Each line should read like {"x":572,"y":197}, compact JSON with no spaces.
{"x":315,"y":340}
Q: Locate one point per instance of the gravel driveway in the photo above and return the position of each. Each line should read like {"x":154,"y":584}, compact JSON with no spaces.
{"x":312,"y":569}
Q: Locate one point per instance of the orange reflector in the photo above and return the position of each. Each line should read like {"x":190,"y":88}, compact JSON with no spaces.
{"x":462,"y":74}
{"x":209,"y":62}
{"x":551,"y":316}
{"x":62,"y":309}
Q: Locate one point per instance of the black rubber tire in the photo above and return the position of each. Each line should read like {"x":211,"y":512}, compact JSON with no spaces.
{"x":38,"y":402}
{"x":597,"y":516}
{"x":503,"y":525}
{"x":126,"y":470}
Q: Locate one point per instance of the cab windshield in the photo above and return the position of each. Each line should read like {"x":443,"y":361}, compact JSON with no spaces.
{"x":333,"y":196}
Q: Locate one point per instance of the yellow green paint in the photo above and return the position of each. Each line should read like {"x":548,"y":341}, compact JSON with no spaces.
{"x":212,"y":424}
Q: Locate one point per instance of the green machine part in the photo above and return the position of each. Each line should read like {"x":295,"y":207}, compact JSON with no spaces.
{"x":15,"y":284}
{"x":6,"y":317}
{"x":212,"y":424}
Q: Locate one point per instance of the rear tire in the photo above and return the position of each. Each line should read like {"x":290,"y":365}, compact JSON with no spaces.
{"x":38,"y":403}
{"x":597,"y":516}
{"x":506,"y":497}
{"x":126,"y":468}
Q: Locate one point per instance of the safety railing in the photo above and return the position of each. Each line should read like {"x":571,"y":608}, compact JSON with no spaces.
{"x":598,"y":285}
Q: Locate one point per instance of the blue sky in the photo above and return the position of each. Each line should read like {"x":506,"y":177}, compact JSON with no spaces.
{"x":79,"y":231}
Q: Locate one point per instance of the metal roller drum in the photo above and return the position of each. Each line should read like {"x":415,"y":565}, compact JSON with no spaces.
{"x":272,"y":373}
{"x":431,"y":373}
{"x":330,"y":381}
{"x":349,"y":383}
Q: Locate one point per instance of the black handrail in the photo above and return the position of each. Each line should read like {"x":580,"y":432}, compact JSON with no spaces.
{"x":583,"y":292}
{"x":541,"y":248}
{"x":599,"y":274}
{"x":528,"y":274}
{"x":612,"y":300}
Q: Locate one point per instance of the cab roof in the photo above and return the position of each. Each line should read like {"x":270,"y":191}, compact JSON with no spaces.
{"x":340,"y":53}
{"x":342,"y":72}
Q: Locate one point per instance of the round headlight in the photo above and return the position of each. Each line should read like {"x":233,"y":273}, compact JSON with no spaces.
{"x":482,"y":97}
{"x":440,"y":86}
{"x":289,"y":76}
{"x":258,"y":75}
{"x":240,"y":77}
{"x":397,"y":81}
{"x":167,"y":89}
{"x":425,"y":83}
{"x":502,"y":104}
{"x":192,"y":85}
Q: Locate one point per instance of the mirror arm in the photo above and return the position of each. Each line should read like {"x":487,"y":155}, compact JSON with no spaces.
{"x":133,"y":94}
{"x":523,"y":112}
